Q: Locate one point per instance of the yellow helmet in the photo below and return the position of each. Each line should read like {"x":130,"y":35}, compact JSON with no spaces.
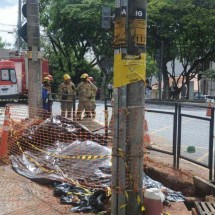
{"x":84,"y":76}
{"x":66,"y":77}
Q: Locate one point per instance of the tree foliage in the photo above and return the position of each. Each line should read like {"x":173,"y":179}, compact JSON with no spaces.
{"x":186,"y":28}
{"x":2,"y":44}
{"x":74,"y":30}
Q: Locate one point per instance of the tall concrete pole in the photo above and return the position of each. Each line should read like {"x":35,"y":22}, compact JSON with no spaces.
{"x":129,"y":119}
{"x":135,"y":105}
{"x":34,"y":70}
{"x":19,"y":26}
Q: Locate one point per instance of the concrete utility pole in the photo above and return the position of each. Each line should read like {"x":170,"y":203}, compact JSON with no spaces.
{"x":34,"y":70}
{"x":129,"y":116}
{"x":19,"y":25}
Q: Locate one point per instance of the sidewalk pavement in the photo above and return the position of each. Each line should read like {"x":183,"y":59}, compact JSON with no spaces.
{"x":19,"y":196}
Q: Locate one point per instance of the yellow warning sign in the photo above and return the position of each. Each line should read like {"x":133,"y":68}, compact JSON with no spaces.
{"x":129,"y":70}
{"x":138,"y":31}
{"x":120,"y":32}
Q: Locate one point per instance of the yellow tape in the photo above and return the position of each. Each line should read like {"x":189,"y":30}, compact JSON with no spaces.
{"x":123,"y":206}
{"x":138,"y":200}
{"x":126,"y":195}
{"x":80,"y":194}
{"x":109,"y":191}
{"x":81,"y":157}
{"x":87,"y":157}
{"x":50,"y":171}
{"x":121,"y":153}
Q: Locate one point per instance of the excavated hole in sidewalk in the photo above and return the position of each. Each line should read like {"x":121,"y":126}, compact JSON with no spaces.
{"x":175,"y":180}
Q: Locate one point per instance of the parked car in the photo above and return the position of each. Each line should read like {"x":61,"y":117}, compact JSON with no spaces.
{"x":199,"y":96}
{"x":209,"y":98}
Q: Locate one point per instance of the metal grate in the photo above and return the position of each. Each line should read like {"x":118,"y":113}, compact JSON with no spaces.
{"x":205,"y":208}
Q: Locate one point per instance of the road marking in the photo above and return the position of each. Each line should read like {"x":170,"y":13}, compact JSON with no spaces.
{"x":167,"y":127}
{"x":204,"y":156}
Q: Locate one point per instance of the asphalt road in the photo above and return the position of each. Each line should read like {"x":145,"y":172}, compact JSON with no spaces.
{"x":194,"y":132}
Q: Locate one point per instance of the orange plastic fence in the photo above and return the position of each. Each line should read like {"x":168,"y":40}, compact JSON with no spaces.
{"x":45,"y":143}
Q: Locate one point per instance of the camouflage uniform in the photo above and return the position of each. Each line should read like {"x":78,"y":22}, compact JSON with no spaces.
{"x":86,"y":91}
{"x":69,"y":89}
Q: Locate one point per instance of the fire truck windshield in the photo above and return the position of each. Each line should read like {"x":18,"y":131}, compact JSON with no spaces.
{"x":8,"y":75}
{"x":13,"y":75}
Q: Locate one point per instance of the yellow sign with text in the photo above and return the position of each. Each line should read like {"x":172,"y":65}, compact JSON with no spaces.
{"x":120,"y":32}
{"x":138,"y":31}
{"x":130,"y":69}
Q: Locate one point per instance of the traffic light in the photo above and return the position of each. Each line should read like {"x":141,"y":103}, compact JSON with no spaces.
{"x":199,"y":77}
{"x":23,"y":30}
{"x":106,"y":17}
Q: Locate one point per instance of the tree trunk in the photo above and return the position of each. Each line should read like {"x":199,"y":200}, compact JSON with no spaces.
{"x":188,"y":86}
{"x":165,"y":81}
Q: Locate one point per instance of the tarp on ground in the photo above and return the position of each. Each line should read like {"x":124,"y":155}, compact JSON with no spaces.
{"x":81,"y":163}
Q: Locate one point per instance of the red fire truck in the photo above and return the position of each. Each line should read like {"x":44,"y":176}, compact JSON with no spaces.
{"x":14,"y":74}
{"x":8,"y":80}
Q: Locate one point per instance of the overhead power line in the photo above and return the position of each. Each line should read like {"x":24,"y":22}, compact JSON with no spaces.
{"x":8,"y":24}
{"x":7,"y":31}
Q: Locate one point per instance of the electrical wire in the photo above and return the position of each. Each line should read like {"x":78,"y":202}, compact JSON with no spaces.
{"x":8,"y":24}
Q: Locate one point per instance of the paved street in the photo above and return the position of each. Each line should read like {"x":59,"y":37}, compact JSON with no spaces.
{"x":195,"y":132}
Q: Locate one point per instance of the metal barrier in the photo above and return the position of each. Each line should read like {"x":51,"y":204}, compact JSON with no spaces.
{"x":195,"y":133}
{"x":183,"y":126}
{"x":173,"y":114}
{"x":107,"y":115}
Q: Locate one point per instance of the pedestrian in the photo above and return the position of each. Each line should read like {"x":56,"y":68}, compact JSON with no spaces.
{"x":85,"y":90}
{"x":45,"y":97}
{"x":183,"y":91}
{"x":110,"y":90}
{"x":93,"y":99}
{"x":98,"y":94}
{"x":67,"y":93}
{"x":51,"y":90}
{"x":172,"y":91}
{"x":148,"y":89}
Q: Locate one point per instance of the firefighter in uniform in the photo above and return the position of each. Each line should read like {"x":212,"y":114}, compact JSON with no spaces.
{"x":93,"y":100}
{"x":67,"y":96}
{"x":86,"y":89}
{"x":51,"y":90}
{"x":45,"y":97}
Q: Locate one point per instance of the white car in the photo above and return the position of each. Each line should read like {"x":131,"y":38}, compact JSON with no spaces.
{"x":209,"y":98}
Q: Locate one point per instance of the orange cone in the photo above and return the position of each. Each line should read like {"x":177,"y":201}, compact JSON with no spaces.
{"x":147,"y":139}
{"x":4,"y":136}
{"x":208,"y":113}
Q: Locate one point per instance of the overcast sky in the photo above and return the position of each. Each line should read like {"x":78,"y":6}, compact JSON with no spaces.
{"x":7,"y":3}
{"x":8,"y":19}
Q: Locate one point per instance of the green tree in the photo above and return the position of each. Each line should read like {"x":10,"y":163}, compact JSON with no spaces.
{"x":186,"y":28}
{"x":3,"y":44}
{"x":151,"y":68}
{"x":74,"y":29}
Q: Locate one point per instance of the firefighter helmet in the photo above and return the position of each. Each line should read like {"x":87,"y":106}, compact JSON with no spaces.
{"x":66,"y":77}
{"x":84,"y":76}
